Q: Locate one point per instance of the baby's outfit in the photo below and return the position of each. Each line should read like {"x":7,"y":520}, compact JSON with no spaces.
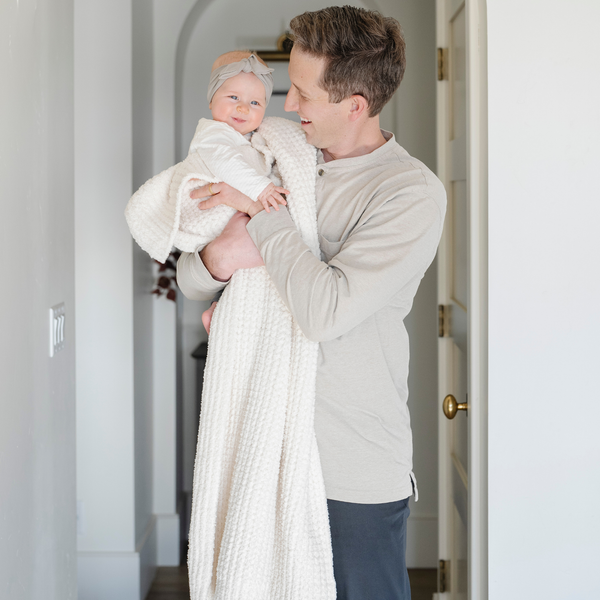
{"x":161,"y":213}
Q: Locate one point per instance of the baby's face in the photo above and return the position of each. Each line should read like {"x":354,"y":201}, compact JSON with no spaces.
{"x":240,"y":102}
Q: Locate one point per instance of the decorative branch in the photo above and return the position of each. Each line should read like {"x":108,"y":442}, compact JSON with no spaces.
{"x":166,"y":283}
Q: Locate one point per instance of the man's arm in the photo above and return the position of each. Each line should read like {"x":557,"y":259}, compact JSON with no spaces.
{"x":201,"y":274}
{"x":194,"y":280}
{"x":387,"y":252}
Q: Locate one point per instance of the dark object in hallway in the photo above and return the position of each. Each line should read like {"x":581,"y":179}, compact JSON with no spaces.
{"x":423,"y":583}
{"x":171,"y":583}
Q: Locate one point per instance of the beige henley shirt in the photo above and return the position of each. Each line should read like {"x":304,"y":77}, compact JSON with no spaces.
{"x":380,"y":219}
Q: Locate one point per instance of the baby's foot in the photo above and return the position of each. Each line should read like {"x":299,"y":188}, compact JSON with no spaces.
{"x":207,"y":317}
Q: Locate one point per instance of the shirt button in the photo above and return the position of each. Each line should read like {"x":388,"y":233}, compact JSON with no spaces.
{"x":321,"y":172}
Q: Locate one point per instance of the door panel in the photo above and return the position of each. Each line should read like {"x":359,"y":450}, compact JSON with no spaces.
{"x":453,"y":292}
{"x":458,"y":224}
{"x":460,"y":432}
{"x":459,"y":570}
{"x":462,"y":290}
{"x":458,"y":74}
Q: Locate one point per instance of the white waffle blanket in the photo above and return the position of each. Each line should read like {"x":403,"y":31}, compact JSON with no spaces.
{"x":260,"y":528}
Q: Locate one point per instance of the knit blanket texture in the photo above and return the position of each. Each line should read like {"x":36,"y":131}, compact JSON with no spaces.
{"x":259,"y":527}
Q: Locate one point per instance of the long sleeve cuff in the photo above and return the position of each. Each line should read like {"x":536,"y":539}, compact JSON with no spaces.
{"x":194,"y":279}
{"x":256,"y":189}
{"x":263,"y":225}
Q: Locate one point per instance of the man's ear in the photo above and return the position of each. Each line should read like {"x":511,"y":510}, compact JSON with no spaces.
{"x":358,"y":107}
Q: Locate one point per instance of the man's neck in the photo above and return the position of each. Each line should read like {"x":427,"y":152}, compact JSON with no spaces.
{"x":358,"y":143}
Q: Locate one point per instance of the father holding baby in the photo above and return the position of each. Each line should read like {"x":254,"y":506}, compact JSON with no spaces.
{"x":380,"y":214}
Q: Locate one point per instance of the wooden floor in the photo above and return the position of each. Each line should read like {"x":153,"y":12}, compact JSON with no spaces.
{"x":171,"y":583}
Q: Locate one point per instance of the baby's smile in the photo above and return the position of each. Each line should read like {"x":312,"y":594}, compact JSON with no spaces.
{"x":240,"y":102}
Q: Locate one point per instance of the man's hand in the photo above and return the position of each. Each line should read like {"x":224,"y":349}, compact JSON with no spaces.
{"x":232,"y":250}
{"x":222,"y":193}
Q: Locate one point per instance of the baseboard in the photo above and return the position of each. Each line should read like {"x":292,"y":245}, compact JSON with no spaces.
{"x":167,"y":540}
{"x":126,"y":575}
{"x":108,"y":575}
{"x":422,"y":542}
{"x":147,"y":550}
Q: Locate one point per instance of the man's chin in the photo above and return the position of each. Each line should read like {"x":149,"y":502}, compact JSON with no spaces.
{"x":312,"y":139}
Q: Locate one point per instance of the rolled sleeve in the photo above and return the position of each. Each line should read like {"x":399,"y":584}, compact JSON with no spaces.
{"x":194,"y":279}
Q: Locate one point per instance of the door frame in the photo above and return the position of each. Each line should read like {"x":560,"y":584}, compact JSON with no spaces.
{"x":477,"y":199}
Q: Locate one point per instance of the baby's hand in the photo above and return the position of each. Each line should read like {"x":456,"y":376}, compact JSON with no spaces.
{"x":272,"y":196}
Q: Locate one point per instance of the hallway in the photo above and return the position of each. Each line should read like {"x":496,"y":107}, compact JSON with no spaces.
{"x":171,"y":583}
{"x":97,"y":439}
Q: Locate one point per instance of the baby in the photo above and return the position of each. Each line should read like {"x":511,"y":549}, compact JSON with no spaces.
{"x":162,"y":213}
{"x":238,"y":93}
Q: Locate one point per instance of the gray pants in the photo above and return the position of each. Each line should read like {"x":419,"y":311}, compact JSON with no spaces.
{"x":369,"y":547}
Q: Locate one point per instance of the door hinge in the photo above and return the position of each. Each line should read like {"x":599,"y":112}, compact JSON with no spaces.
{"x":442,"y":64}
{"x":443,"y":320}
{"x":444,"y":576}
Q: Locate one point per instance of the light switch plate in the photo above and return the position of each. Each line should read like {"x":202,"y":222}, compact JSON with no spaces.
{"x":57,"y":328}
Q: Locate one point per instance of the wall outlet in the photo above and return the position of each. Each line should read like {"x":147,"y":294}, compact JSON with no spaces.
{"x":57,"y":328}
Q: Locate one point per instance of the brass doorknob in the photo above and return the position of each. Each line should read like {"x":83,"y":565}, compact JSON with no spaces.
{"x":451,"y":406}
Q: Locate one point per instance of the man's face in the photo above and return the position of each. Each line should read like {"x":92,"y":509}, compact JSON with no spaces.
{"x":240,"y":102}
{"x":325,"y":123}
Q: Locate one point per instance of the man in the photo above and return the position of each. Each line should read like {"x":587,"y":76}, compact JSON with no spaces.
{"x":380,"y":214}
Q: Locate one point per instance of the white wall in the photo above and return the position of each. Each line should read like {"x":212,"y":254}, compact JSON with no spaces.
{"x":544,"y":323}
{"x":169,"y":19}
{"x":104,"y":273}
{"x":108,"y":562}
{"x":37,"y":398}
{"x":193,"y":333}
{"x":125,"y":454}
{"x":143,"y":300}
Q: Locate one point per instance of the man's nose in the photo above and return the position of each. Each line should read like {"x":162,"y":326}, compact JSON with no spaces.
{"x":291,"y":101}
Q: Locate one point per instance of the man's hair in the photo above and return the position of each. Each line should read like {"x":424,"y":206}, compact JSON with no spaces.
{"x":364,"y":52}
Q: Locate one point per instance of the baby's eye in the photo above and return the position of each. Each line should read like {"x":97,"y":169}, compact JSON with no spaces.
{"x":233,"y":97}
{"x":255,"y":103}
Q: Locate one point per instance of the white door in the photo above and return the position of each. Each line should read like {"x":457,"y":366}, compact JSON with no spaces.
{"x":461,"y":291}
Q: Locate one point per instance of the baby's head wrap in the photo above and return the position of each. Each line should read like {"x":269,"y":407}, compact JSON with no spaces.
{"x":246,"y":65}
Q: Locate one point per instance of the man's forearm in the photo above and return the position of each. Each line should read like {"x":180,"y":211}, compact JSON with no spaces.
{"x":215,"y":263}
{"x":194,"y":279}
{"x":200,"y":277}
{"x":232,"y":250}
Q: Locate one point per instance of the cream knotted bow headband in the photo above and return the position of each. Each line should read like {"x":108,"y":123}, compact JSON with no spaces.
{"x":246,"y":65}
